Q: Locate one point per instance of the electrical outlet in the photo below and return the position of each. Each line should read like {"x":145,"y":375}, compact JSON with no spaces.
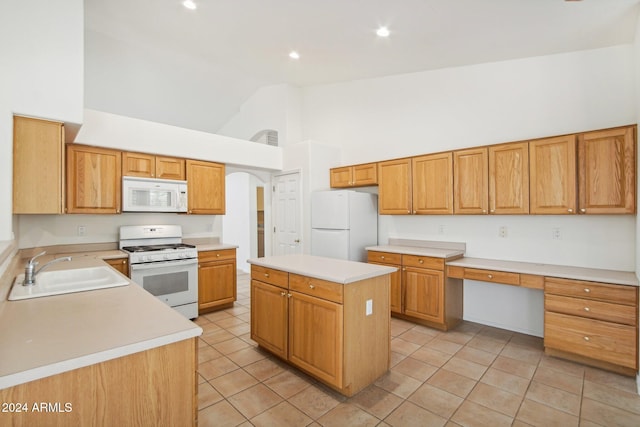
{"x":502,"y":231}
{"x":369,"y":307}
{"x":82,"y":230}
{"x":442,"y":229}
{"x":556,"y":233}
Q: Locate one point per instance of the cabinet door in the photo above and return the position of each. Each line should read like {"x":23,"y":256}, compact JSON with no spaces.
{"x":433,"y":184}
{"x":316,"y":337}
{"x":269,"y":317}
{"x":38,"y":166}
{"x":170,"y":168}
{"x":205,"y":183}
{"x":93,"y":180}
{"x":120,"y":264}
{"x":363,"y":175}
{"x":509,"y":178}
{"x":470,"y":174}
{"x":607,"y":171}
{"x":216,"y":284}
{"x":424,"y":294}
{"x":341,"y":177}
{"x":552,"y":169}
{"x":138,"y":164}
{"x":394,"y":187}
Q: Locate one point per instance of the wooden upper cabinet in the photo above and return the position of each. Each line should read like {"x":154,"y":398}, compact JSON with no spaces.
{"x":93,"y":180}
{"x":433,"y":184}
{"x":206,"y":187}
{"x":394,"y":187}
{"x":607,"y":171}
{"x":354,"y":176}
{"x":509,"y":178}
{"x":38,"y":166}
{"x":150,"y":166}
{"x":552,"y":174}
{"x":470,"y":175}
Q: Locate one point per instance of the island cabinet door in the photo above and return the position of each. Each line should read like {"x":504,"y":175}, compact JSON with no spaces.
{"x":316,"y":337}
{"x":269,"y":317}
{"x":424,"y":297}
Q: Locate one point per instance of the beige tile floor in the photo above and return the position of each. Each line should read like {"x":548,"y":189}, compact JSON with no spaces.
{"x":472,"y":376}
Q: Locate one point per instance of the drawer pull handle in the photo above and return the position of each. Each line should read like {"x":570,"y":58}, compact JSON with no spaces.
{"x":382,"y":257}
{"x":282,"y":293}
{"x":288,"y":295}
{"x":311,"y":286}
{"x":583,"y":210}
{"x":421,"y":261}
{"x":266,"y":274}
{"x":587,"y":290}
{"x":217,"y":255}
{"x":490,"y":276}
{"x":587,"y":309}
{"x":586,"y":338}
{"x":569,"y":210}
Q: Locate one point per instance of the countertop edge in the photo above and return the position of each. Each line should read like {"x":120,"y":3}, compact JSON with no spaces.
{"x":40,"y":372}
{"x":417,"y":250}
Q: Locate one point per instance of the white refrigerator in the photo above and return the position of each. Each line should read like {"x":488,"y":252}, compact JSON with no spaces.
{"x":343,"y":223}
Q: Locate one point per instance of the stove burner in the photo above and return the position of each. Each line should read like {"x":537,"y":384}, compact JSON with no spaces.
{"x":152,"y":248}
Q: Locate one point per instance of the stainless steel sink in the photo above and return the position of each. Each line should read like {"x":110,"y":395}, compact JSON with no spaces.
{"x":67,"y":281}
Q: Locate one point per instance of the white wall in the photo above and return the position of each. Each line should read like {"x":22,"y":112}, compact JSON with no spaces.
{"x":276,"y":107}
{"x":41,"y":75}
{"x":445,"y":109}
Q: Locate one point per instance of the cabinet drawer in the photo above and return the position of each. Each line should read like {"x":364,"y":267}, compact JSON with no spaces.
{"x":269,"y":275}
{"x":222,"y":254}
{"x":605,"y":341}
{"x":592,"y":309}
{"x":315,"y":287}
{"x":423,"y":262}
{"x":592,"y":290}
{"x":492,"y":276}
{"x":384,"y":257}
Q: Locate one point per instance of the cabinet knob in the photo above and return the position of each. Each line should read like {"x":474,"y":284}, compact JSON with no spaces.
{"x":217,"y":255}
{"x":586,"y":338}
{"x":266,"y":274}
{"x":382,"y":257}
{"x":311,"y":286}
{"x":288,"y":295}
{"x":421,"y":261}
{"x":569,"y":210}
{"x":587,"y":290}
{"x":484,"y":211}
{"x":490,"y":276}
{"x":408,"y":211}
{"x":583,"y":210}
{"x":283,"y":293}
{"x":587,"y":309}
{"x":124,"y":262}
{"x":414,"y":212}
{"x":492,"y":210}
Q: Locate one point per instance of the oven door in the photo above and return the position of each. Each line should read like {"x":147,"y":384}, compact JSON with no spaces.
{"x":173,"y":282}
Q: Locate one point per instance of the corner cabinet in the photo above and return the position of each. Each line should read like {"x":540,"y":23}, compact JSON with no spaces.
{"x":206,"y":187}
{"x":38,"y":166}
{"x":120,"y":264}
{"x":150,"y":166}
{"x":607,"y":171}
{"x":94,"y":180}
{"x":321,"y":326}
{"x":216,"y":280}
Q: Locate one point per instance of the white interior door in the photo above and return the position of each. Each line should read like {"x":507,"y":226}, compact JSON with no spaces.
{"x":286,"y":206}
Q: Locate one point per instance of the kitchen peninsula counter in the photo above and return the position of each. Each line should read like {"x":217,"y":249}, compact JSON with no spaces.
{"x":328,"y":317}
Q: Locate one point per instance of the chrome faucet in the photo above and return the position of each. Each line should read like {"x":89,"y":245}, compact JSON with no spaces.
{"x":30,"y":269}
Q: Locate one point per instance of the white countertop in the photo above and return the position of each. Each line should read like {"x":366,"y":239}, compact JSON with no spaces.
{"x":562,"y":271}
{"x":333,"y":270}
{"x":45,"y":336}
{"x":420,"y":251}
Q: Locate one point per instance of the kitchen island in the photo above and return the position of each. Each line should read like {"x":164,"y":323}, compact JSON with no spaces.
{"x":328,"y":317}
{"x":114,"y":356}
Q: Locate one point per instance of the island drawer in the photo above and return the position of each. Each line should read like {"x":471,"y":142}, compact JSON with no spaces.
{"x":423,"y":262}
{"x":592,"y":290}
{"x":384,"y":257}
{"x":492,"y":276}
{"x":269,"y":275}
{"x":217,"y":255}
{"x":605,"y":341}
{"x":316,"y":287}
{"x":592,"y":309}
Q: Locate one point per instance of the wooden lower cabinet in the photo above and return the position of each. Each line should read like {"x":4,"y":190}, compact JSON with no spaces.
{"x":593,"y":323}
{"x":156,"y":387}
{"x":216,"y":280}
{"x":321,"y":327}
{"x":120,"y":264}
{"x":421,"y":291}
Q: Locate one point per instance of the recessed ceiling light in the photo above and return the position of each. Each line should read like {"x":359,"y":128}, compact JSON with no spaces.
{"x":189,"y":4}
{"x":294,"y":55}
{"x":383,"y":32}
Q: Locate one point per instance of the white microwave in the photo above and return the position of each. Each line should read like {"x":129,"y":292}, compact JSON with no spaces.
{"x":153,"y":195}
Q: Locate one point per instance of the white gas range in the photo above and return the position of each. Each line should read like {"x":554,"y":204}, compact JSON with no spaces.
{"x":163,"y":265}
